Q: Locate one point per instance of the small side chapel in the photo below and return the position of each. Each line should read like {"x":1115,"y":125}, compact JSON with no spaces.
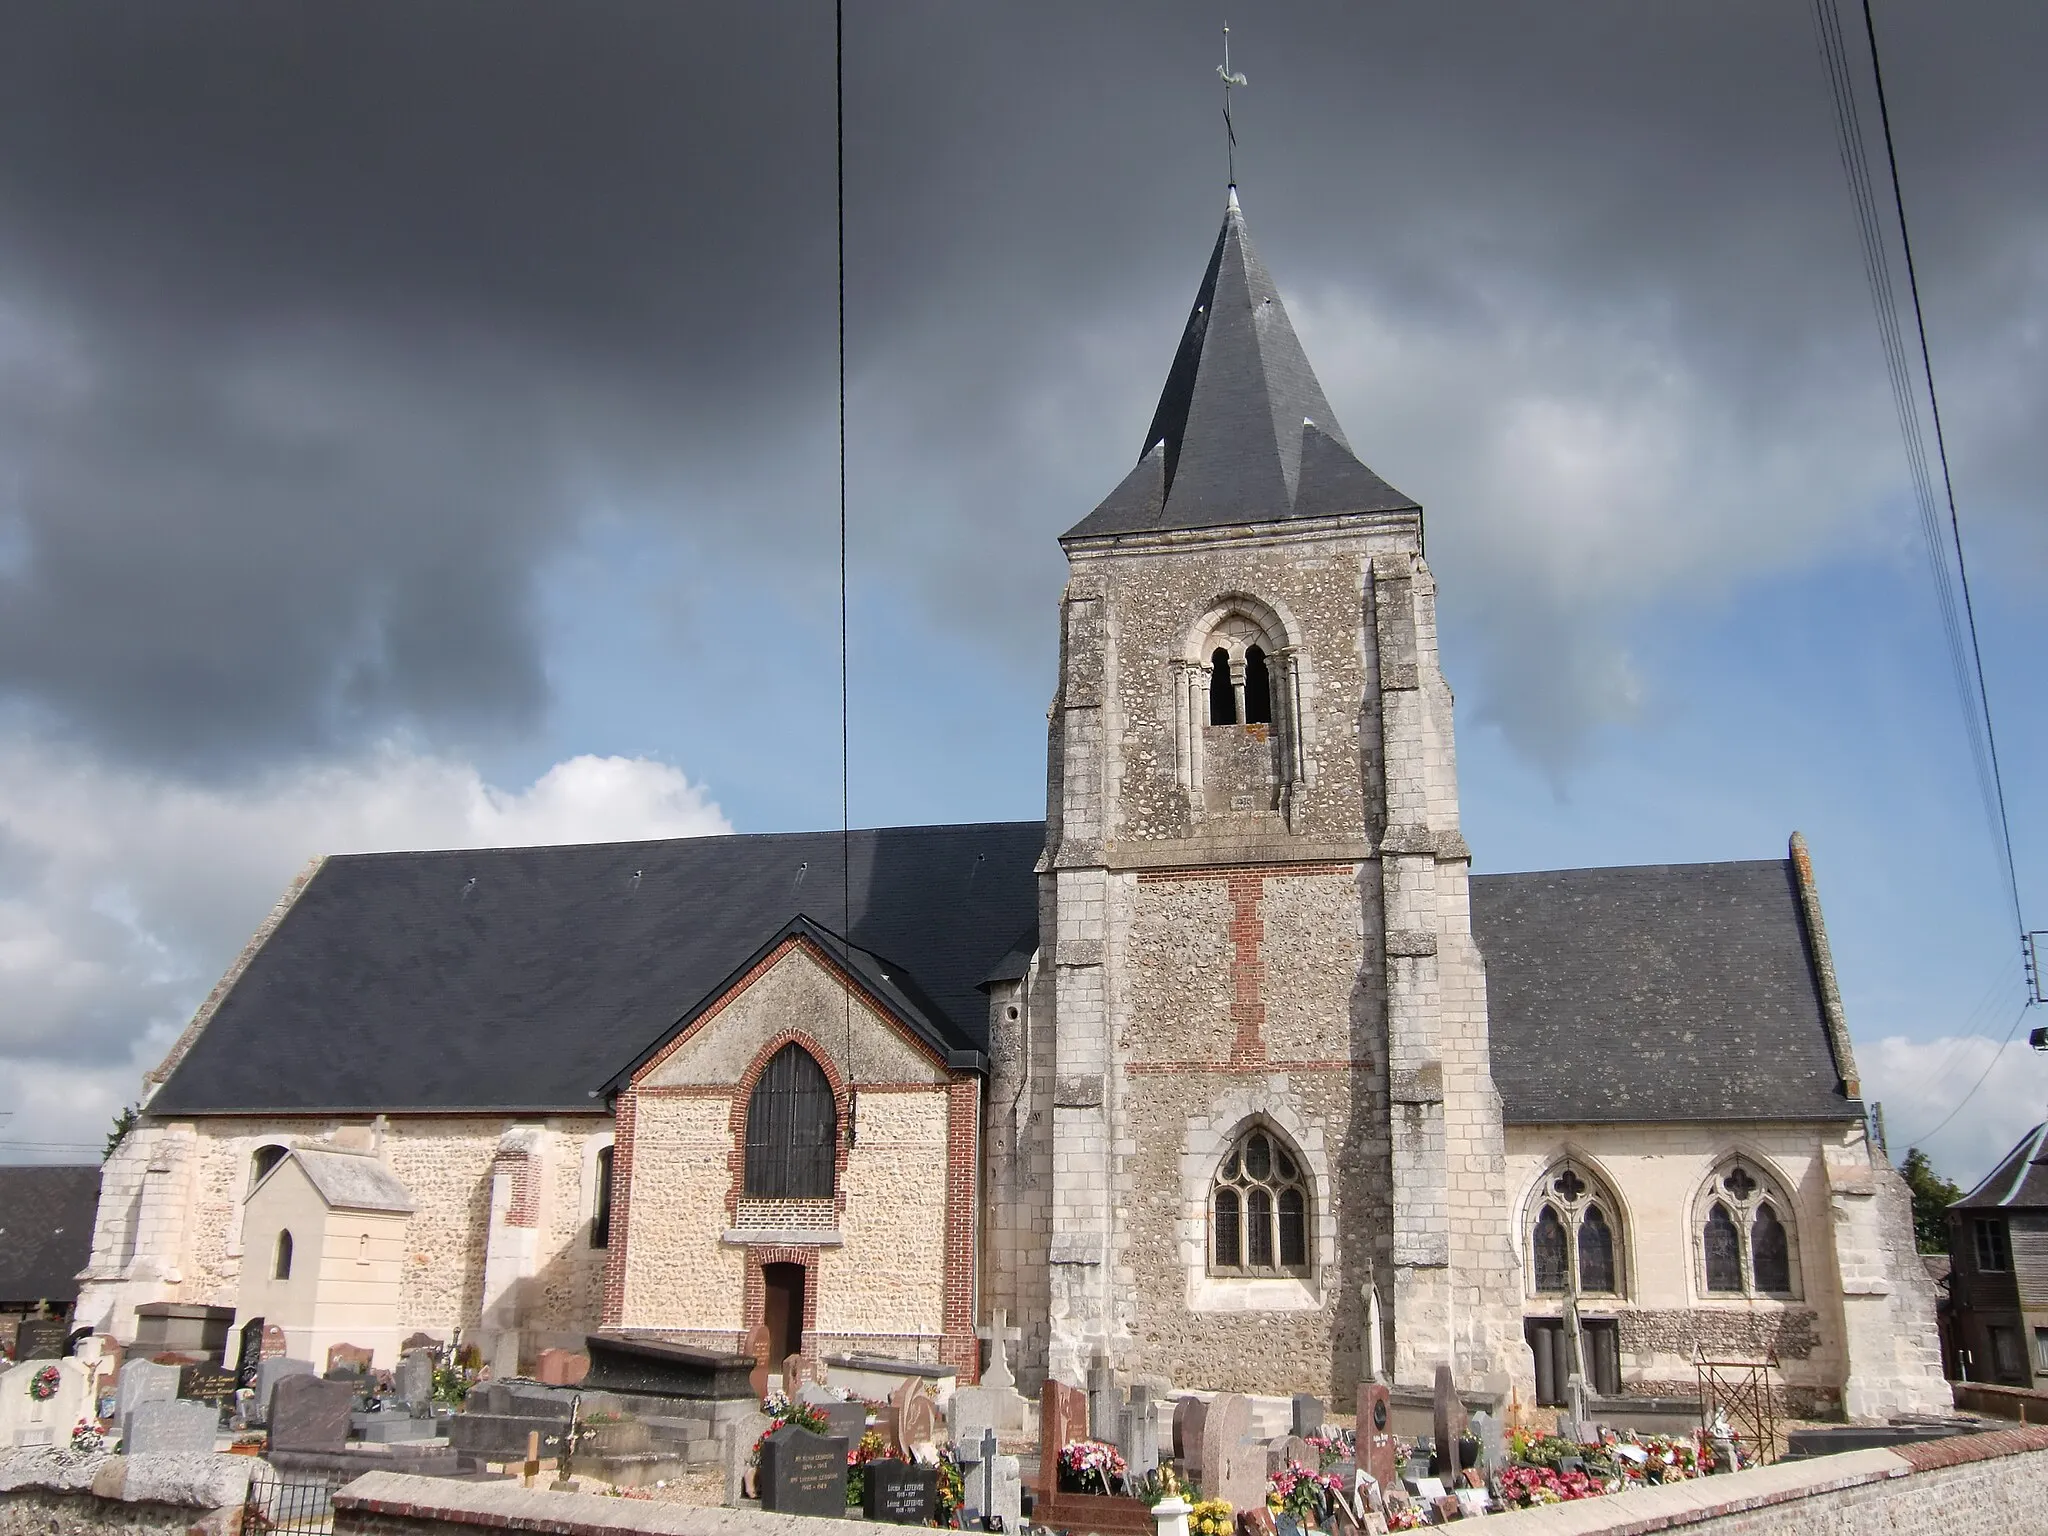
{"x":1229,"y":1057}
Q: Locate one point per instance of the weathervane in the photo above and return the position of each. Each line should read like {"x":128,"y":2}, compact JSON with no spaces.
{"x":1229,"y":80}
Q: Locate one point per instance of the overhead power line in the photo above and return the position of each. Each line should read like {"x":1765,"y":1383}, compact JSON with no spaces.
{"x":1942,"y":534}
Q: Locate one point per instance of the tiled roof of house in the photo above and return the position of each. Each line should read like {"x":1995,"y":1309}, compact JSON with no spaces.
{"x":46,"y":1219}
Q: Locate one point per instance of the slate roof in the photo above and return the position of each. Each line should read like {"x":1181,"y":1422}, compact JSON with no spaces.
{"x":1664,"y":992}
{"x":533,"y":978}
{"x":525,"y":978}
{"x":1243,"y":432}
{"x":350,"y":1181}
{"x":2019,"y":1182}
{"x":46,"y":1219}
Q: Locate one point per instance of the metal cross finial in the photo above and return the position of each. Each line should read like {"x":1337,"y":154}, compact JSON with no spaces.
{"x":1229,"y":80}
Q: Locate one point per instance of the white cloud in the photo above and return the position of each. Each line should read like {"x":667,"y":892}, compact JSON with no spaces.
{"x":124,"y":895}
{"x":1921,"y":1081}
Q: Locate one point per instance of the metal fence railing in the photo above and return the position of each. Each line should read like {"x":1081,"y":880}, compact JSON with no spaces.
{"x":298,"y":1506}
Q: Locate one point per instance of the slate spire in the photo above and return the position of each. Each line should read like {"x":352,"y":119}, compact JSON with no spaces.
{"x":1243,"y":432}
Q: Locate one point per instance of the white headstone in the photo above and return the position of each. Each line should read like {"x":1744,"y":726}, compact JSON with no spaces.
{"x":27,"y":1418}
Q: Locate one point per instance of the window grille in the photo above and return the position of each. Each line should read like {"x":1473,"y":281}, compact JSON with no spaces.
{"x":792,"y":1130}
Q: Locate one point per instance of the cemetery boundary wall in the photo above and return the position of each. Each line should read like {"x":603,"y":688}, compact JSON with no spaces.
{"x":2020,"y":1403}
{"x":395,"y":1504}
{"x":42,"y":1491}
{"x":1995,"y":1484}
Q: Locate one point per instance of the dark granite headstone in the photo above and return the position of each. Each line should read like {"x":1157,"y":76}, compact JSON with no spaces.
{"x":310,"y":1413}
{"x":415,"y":1341}
{"x":250,"y":1356}
{"x":41,"y":1338}
{"x":205,"y":1383}
{"x":1450,"y":1423}
{"x":901,"y":1493}
{"x":653,"y":1368}
{"x":803,"y":1473}
{"x":1189,"y":1415}
{"x":1308,"y":1414}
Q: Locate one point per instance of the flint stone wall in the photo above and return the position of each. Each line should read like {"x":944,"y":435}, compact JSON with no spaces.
{"x":44,"y":1491}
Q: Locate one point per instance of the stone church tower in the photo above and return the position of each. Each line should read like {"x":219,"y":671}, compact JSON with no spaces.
{"x":1247,"y":1073}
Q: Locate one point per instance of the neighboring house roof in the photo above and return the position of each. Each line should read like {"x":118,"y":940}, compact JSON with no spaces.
{"x":1243,"y":433}
{"x":46,"y":1221}
{"x":348,"y":1181}
{"x":525,"y":978}
{"x":2019,"y":1182}
{"x":1664,"y":992}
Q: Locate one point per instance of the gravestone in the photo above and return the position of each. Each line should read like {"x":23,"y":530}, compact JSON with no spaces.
{"x":1105,"y":1403}
{"x":803,"y":1474}
{"x":269,"y":1372}
{"x":250,"y":1354}
{"x":1062,"y":1420}
{"x":28,"y":1419}
{"x":973,"y":1456}
{"x":1139,"y":1433}
{"x":798,"y":1373}
{"x":996,"y":1374}
{"x":916,"y":1416}
{"x":1190,"y":1414}
{"x":1376,"y":1446}
{"x":275,"y":1345}
{"x":425,"y":1341}
{"x":1233,"y":1464}
{"x":900,"y":1493}
{"x":349,"y":1357}
{"x":1005,"y":1510}
{"x":310,"y":1413}
{"x":1291,"y":1450}
{"x":177,"y":1428}
{"x":416,"y":1382}
{"x":841,"y":1417}
{"x":1308,"y":1414}
{"x":647,"y":1367}
{"x":1450,"y":1422}
{"x":755,"y":1346}
{"x":1492,"y":1435}
{"x":737,"y":1445}
{"x":42,"y":1338}
{"x":205,"y":1383}
{"x":143,"y":1381}
{"x":561,"y":1367}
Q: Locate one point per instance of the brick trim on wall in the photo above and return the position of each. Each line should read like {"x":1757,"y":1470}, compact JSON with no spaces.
{"x":624,"y":1114}
{"x":754,"y":1289}
{"x":736,"y":1118}
{"x":958,"y":1346}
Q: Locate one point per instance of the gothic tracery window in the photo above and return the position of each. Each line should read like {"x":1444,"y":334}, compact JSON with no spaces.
{"x":1744,"y":1235}
{"x":1573,"y":1241}
{"x":1258,"y":1209}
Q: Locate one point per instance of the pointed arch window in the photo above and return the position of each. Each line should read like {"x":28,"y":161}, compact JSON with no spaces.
{"x":1744,"y":1235}
{"x":282,"y":1268}
{"x":1573,"y":1235}
{"x":1259,"y":1208}
{"x":792,"y":1130}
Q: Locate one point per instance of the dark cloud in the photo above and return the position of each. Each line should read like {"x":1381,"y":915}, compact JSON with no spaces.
{"x":321,"y":327}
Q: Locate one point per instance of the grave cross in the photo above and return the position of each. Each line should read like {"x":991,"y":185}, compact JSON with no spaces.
{"x":999,"y":1337}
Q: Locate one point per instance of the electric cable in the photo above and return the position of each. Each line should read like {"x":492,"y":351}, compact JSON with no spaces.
{"x":845,"y":736}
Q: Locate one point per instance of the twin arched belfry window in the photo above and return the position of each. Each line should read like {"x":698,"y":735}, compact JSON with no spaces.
{"x":1223,"y":689}
{"x":1259,"y":1208}
{"x":792,"y":1130}
{"x":1574,"y":1237}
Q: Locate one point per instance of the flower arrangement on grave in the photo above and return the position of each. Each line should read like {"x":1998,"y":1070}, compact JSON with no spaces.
{"x":86,"y":1437}
{"x":870,"y":1447}
{"x":952,"y":1489}
{"x":1087,"y":1466}
{"x":1211,"y":1517}
{"x":1307,"y":1496}
{"x":43,"y":1385}
{"x":781,"y":1411}
{"x":1534,"y":1486}
{"x":1330,"y":1448}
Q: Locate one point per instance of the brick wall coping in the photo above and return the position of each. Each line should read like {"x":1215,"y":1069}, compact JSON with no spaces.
{"x":510,"y":1506}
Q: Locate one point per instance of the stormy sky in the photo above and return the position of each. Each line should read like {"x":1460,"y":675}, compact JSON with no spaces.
{"x":417,"y":428}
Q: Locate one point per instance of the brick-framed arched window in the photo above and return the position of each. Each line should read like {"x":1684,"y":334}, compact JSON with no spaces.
{"x":792,"y":1130}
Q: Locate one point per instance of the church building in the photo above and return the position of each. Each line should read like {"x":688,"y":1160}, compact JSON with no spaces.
{"x":1229,"y":1059}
